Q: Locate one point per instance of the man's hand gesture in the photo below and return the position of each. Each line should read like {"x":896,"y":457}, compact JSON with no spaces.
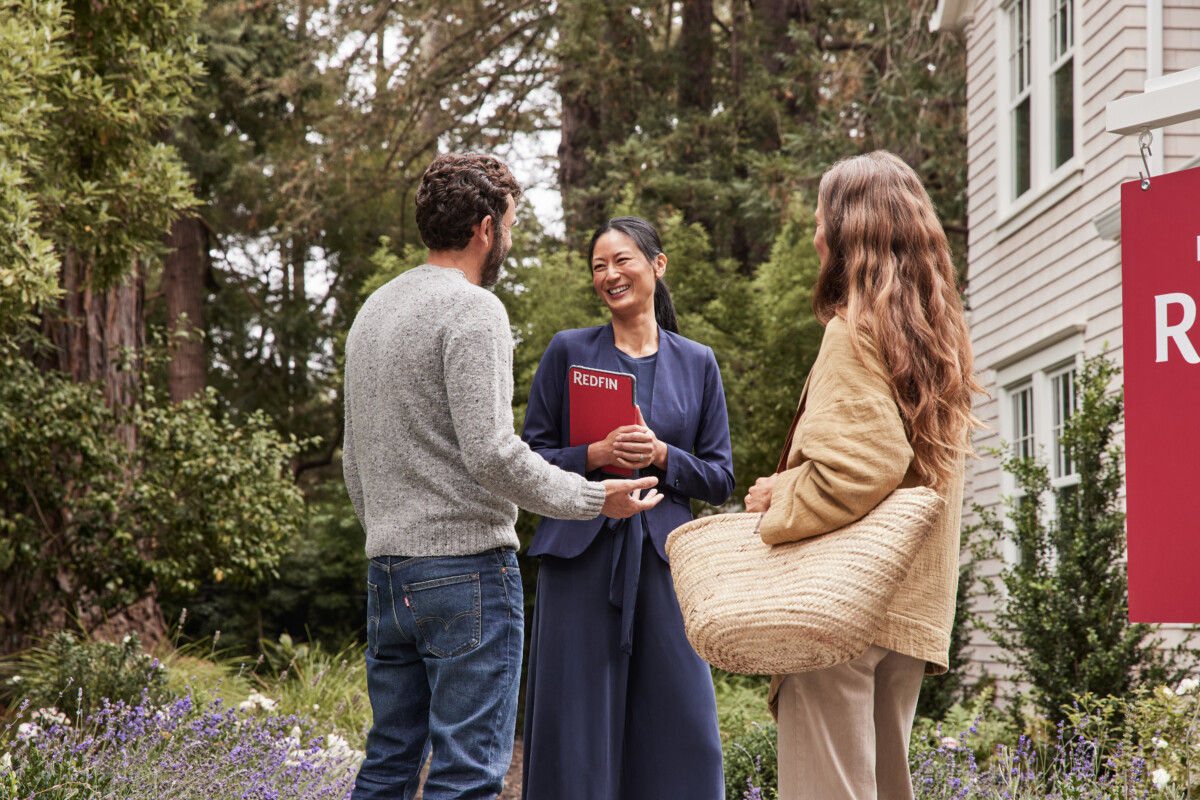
{"x":623,"y":498}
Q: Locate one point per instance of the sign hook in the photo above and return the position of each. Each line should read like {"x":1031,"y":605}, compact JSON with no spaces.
{"x":1145,"y":139}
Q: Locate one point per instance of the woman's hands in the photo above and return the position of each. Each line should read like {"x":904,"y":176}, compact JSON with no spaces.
{"x":629,"y":446}
{"x":759,"y":498}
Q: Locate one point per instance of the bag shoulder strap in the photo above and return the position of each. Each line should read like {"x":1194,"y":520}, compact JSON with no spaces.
{"x":787,"y":444}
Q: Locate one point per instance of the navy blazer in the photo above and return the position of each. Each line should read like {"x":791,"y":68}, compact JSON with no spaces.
{"x":688,"y":415}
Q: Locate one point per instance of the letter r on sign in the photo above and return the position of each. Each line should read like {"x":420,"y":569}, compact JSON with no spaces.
{"x":1163,"y":331}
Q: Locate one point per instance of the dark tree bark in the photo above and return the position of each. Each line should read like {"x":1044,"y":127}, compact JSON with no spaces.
{"x":99,"y":335}
{"x":580,"y":124}
{"x":184,"y":271}
{"x":696,"y":55}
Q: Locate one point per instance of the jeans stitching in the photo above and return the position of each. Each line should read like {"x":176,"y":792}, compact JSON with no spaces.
{"x":475,"y":610}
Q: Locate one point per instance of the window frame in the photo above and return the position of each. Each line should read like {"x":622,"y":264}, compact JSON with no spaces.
{"x":1044,"y":178}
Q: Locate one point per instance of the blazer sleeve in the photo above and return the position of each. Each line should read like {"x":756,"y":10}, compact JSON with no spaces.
{"x":543,"y":427}
{"x":707,"y":473}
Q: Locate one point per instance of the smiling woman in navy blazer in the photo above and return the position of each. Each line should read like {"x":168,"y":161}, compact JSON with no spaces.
{"x":618,"y":705}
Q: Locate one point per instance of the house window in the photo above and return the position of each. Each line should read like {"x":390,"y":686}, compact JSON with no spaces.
{"x":1041,"y":97}
{"x":1038,"y":394}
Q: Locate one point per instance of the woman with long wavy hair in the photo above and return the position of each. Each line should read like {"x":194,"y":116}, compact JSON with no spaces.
{"x":886,"y":405}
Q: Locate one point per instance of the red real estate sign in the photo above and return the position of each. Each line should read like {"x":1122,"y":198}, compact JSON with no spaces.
{"x":1160,"y":269}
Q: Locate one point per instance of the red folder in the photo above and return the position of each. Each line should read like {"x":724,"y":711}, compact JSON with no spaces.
{"x":599,"y":402}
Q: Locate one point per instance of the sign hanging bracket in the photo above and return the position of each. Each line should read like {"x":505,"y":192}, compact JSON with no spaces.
{"x":1145,"y":139}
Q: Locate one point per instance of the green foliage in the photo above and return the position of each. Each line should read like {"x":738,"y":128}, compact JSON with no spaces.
{"x":752,"y":762}
{"x":320,"y":684}
{"x":747,"y":733}
{"x":1064,"y":625}
{"x":978,"y":725}
{"x":75,"y":676}
{"x":30,"y":34}
{"x":87,"y":521}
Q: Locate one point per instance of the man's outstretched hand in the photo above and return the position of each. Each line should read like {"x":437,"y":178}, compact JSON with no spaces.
{"x":624,"y":498}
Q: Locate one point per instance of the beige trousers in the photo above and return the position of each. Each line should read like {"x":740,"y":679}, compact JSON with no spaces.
{"x":844,"y":731}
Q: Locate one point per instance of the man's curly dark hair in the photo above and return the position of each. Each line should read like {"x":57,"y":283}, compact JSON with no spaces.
{"x":457,"y":191}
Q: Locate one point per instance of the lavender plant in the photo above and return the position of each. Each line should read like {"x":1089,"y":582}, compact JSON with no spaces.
{"x":182,"y":749}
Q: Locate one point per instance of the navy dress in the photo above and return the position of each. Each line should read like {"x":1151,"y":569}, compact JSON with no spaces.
{"x":618,"y":706}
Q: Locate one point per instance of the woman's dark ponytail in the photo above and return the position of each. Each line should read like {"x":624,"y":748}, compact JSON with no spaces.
{"x":646,"y":238}
{"x":664,"y":309}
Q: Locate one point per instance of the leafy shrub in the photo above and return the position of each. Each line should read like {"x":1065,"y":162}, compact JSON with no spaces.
{"x":327,"y":687}
{"x":978,"y":725}
{"x":88,"y":524}
{"x":752,"y":764}
{"x":77,"y":676}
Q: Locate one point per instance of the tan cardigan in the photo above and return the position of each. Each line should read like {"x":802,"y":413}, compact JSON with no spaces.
{"x":846,"y":452}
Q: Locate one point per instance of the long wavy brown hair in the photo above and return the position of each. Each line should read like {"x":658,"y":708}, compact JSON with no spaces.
{"x":889,"y":276}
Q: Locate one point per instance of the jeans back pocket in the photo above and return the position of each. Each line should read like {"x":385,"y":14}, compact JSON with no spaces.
{"x":447,"y":612}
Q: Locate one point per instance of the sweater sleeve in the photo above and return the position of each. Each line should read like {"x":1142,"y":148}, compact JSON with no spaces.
{"x":349,"y":462}
{"x":478,"y":368}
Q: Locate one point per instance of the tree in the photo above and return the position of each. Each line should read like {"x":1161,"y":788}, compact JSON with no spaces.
{"x":1063,"y":617}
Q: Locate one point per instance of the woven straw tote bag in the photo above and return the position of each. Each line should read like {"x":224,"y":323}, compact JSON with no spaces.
{"x":756,"y":608}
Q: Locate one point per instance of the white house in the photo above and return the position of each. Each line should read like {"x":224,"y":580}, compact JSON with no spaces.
{"x":1043,"y":201}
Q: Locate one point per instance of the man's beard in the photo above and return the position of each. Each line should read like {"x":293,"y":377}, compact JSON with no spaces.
{"x":495,"y":260}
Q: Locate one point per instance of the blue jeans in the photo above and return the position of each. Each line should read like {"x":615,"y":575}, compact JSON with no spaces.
{"x":443,"y":666}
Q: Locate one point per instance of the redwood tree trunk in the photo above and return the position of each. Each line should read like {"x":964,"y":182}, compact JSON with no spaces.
{"x":184,"y":269}
{"x":99,"y":335}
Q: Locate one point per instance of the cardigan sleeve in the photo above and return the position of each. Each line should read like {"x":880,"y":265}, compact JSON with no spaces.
{"x":850,"y":449}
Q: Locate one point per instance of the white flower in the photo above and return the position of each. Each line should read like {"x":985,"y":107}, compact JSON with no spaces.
{"x":257,"y":700}
{"x":6,"y":763}
{"x":1158,"y":743}
{"x":28,"y":730}
{"x":1187,"y":686}
{"x":316,"y":707}
{"x":950,"y":743}
{"x":15,"y":679}
{"x":51,"y":716}
{"x":1166,"y":691}
{"x":1161,"y":778}
{"x":126,"y":639}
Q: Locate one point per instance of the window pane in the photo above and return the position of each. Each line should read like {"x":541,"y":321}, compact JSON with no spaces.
{"x":1021,"y":156}
{"x":1063,"y":103}
{"x":1019,"y":47}
{"x":1023,"y":423}
{"x":1063,"y":386}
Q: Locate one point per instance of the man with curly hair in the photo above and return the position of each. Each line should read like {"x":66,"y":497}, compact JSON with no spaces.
{"x":436,"y":473}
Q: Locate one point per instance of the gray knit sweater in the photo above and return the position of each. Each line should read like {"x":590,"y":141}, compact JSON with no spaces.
{"x":430,"y":458}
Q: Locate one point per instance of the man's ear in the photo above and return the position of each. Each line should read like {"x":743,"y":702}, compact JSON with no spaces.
{"x":487,"y":229}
